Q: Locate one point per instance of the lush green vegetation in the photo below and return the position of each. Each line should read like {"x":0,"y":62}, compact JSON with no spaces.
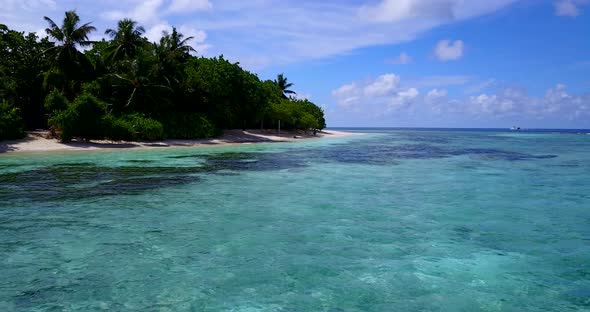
{"x":127,"y":88}
{"x":11,"y":125}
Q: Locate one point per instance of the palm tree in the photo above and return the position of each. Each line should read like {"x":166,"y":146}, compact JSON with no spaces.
{"x":71,"y":63}
{"x":175,"y":43}
{"x":172,"y":51}
{"x":139,"y":85}
{"x":282,"y":83}
{"x":127,"y":39}
{"x":68,"y":35}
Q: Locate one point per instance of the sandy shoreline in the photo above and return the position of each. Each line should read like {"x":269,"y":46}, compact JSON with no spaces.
{"x":36,"y":141}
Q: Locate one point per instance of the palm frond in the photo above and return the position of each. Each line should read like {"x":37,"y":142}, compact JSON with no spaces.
{"x":52,"y":24}
{"x":82,"y":32}
{"x":110,"y":32}
{"x":53,"y":31}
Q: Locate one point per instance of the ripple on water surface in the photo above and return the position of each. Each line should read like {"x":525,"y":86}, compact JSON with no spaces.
{"x":397,"y":220}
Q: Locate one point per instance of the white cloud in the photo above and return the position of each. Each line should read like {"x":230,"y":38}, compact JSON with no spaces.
{"x":348,"y":95}
{"x":199,"y":36}
{"x":510,"y":101}
{"x":409,"y":93}
{"x":401,"y":10}
{"x":345,"y":90}
{"x":154,"y":33}
{"x":402,"y":99}
{"x":378,"y":96}
{"x":27,"y":15}
{"x":29,"y":5}
{"x":435,"y":99}
{"x":481,"y":86}
{"x":198,"y":41}
{"x":568,"y":7}
{"x":555,"y":98}
{"x":435,"y":94}
{"x":288,"y":31}
{"x":440,"y":81}
{"x":446,"y":50}
{"x":382,"y":86}
{"x":490,"y":104}
{"x":187,"y":6}
{"x":428,"y":11}
{"x":510,"y":105}
{"x":516,"y":103}
{"x":146,"y":12}
{"x":402,"y":59}
{"x":263,"y":32}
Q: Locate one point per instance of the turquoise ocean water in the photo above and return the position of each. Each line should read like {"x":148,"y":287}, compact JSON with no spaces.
{"x":396,"y":220}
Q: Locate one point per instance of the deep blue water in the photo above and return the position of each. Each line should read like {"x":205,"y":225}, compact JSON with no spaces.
{"x":395,"y":220}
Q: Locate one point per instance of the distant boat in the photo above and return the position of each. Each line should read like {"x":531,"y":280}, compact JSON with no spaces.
{"x":515,"y":128}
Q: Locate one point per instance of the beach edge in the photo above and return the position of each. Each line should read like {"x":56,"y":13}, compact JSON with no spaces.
{"x":37,"y":141}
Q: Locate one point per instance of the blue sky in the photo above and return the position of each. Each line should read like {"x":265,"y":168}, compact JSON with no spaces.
{"x":385,"y":63}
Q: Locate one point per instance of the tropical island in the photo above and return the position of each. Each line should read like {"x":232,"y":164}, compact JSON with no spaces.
{"x":129,"y":89}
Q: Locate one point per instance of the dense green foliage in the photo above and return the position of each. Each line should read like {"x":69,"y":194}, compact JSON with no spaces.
{"x":82,"y":118}
{"x":11,"y":124}
{"x":127,"y":88}
{"x":22,"y":71}
{"x":134,"y":127}
{"x":189,"y":126}
{"x":56,"y":102}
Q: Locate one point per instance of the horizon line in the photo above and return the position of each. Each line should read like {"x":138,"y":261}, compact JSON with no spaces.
{"x":457,"y":128}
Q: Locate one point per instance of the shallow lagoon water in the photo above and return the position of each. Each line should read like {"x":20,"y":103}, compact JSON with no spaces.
{"x":397,"y":220}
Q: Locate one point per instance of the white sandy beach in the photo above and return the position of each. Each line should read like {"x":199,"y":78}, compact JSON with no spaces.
{"x":37,"y":141}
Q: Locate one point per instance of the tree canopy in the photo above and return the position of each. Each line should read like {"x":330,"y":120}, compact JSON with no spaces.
{"x":127,"y":40}
{"x":71,"y":34}
{"x":126,"y":88}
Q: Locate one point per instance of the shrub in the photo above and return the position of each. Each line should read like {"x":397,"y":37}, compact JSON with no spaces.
{"x":144,"y":128}
{"x":117,"y":129}
{"x":90,"y":112}
{"x":83,"y":119}
{"x":55,"y":102}
{"x":64,"y":124}
{"x":92,"y":87}
{"x":181,"y":125}
{"x":54,"y":78}
{"x":11,"y":123}
{"x":135,"y":127}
